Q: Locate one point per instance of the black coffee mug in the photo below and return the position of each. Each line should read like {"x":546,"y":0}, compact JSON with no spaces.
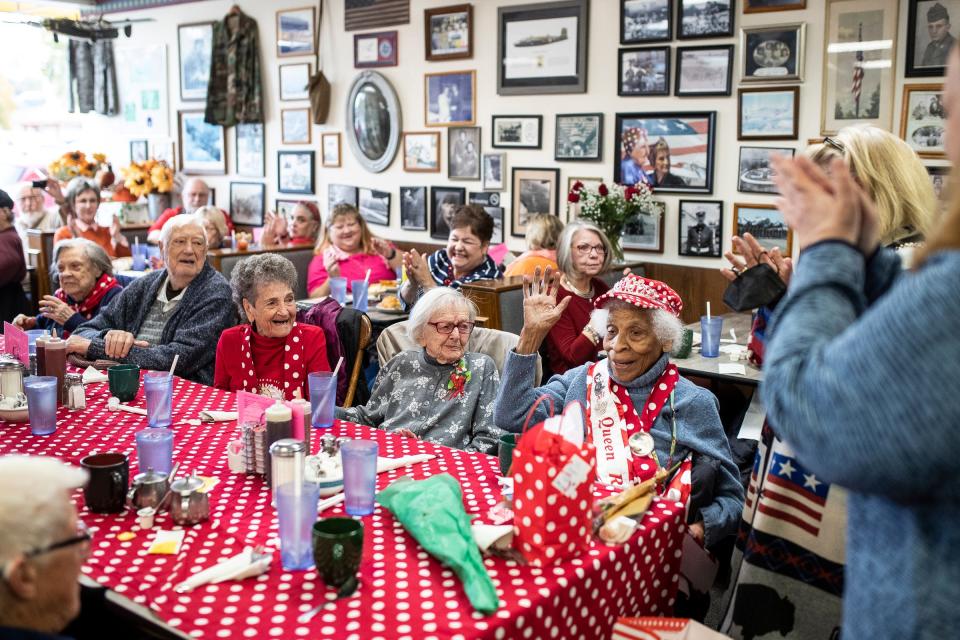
{"x":337,"y":548}
{"x":106,"y":492}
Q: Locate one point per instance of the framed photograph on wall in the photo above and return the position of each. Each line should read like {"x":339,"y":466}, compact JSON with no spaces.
{"x":930,"y":35}
{"x":421,"y":152}
{"x":688,"y":138}
{"x":296,"y":32}
{"x":772,"y":54}
{"x":494,"y":171}
{"x":139,"y":150}
{"x":644,"y":231}
{"x":579,"y":136}
{"x":295,"y":126}
{"x":769,"y":113}
{"x":858,"y":84}
{"x":165,"y":150}
{"x":704,"y":71}
{"x":763,"y":6}
{"x":645,"y":21}
{"x":375,"y":49}
{"x":374,"y":206}
{"x":450,"y":98}
{"x":700,"y":228}
{"x":542,"y":47}
{"x":251,"y":159}
{"x":448,"y":32}
{"x":247,"y":202}
{"x":756,"y":174}
{"x":939,"y":178}
{"x":463,"y":153}
{"x":341,"y":194}
{"x":413,"y":208}
{"x":295,"y":171}
{"x":923,"y":120}
{"x":765,"y":223}
{"x":293,"y":81}
{"x":330,"y":149}
{"x":490,"y":201}
{"x":195,"y":45}
{"x":534,"y":191}
{"x":644,"y":72}
{"x":202,"y":146}
{"x":516,"y":132}
{"x":704,"y":19}
{"x":443,"y":203}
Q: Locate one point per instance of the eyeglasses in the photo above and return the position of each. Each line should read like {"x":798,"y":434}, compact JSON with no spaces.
{"x":586,"y":249}
{"x":83,"y":537}
{"x":836,"y":144}
{"x":446,"y":328}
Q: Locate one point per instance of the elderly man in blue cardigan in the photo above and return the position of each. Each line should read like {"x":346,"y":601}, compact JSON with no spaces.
{"x":180,"y":310}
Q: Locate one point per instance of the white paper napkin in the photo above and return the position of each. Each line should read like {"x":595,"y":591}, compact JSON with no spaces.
{"x":245,"y":564}
{"x":488,"y":535}
{"x":389,"y":464}
{"x":91,"y":375}
{"x":737,"y":369}
{"x":218,"y":416}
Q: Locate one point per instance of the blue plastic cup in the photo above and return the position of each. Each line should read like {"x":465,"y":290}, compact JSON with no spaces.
{"x":710,"y":331}
{"x":139,"y":253}
{"x":41,"y":403}
{"x":158,"y":387}
{"x":359,"y":476}
{"x":296,"y":512}
{"x":338,"y":289}
{"x":359,"y":288}
{"x":32,"y":336}
{"x":155,"y":449}
{"x":323,"y":398}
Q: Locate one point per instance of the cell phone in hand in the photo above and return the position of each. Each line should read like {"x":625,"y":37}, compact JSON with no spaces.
{"x":39,"y":184}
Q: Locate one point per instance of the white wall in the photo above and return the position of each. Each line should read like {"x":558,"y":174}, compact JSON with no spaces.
{"x":408,"y":80}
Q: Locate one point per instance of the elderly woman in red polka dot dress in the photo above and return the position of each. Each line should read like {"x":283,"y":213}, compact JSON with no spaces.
{"x":641,"y":414}
{"x":270,"y":354}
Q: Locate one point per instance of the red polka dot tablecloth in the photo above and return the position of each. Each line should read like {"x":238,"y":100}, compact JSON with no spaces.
{"x":404,"y":592}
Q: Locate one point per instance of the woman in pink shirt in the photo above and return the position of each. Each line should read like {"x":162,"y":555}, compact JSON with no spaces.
{"x":346,"y":250}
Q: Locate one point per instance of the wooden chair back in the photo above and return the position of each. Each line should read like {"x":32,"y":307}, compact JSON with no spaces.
{"x":363,"y":341}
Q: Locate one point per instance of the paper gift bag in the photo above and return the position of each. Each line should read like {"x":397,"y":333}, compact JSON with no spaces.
{"x":650,"y":628}
{"x":553,"y":470}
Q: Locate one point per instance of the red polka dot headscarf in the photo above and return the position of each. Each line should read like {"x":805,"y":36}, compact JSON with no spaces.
{"x":643,"y":293}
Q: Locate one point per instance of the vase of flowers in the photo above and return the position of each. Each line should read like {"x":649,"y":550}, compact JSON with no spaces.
{"x":153,"y":179}
{"x":610,"y":207}
{"x":76,"y":163}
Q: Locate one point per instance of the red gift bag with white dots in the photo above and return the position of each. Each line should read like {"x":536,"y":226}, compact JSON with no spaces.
{"x":552,"y":496}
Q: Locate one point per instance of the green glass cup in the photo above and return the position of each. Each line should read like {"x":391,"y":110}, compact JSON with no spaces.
{"x":686,"y":345}
{"x":124,"y":381}
{"x":505,"y":452}
{"x":337,"y":549}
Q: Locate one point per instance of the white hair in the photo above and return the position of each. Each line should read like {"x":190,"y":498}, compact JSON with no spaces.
{"x":666,"y":326}
{"x":178,"y":222}
{"x":34,"y":502}
{"x":434,"y":301}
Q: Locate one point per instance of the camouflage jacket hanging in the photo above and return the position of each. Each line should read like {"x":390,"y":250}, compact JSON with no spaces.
{"x":234,"y":93}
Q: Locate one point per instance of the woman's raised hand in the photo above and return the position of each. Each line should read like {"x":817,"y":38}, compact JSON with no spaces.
{"x":540,"y":308}
{"x":751,"y":253}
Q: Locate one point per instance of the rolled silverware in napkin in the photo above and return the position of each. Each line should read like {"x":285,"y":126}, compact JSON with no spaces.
{"x":246,"y":564}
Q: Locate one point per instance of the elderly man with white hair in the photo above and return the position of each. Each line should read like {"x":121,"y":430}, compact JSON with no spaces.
{"x":42,"y":546}
{"x":179,"y":310}
{"x":439,"y":392}
{"x":195,"y":194}
{"x":31,"y":214}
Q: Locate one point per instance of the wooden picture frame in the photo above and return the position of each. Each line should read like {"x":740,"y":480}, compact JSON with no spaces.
{"x":247,"y":203}
{"x":291,"y":76}
{"x":767,"y":6}
{"x":713,"y":87}
{"x":295,"y":172}
{"x":516,"y":132}
{"x":635,"y":237}
{"x":421,"y":151}
{"x":634,"y":67}
{"x":438,"y":24}
{"x":377,"y":49}
{"x":751,"y":118}
{"x":202,"y":146}
{"x":331,"y":151}
{"x":297,"y":32}
{"x":923,"y":119}
{"x":533,"y":190}
{"x":578,"y":137}
{"x":194,"y":49}
{"x":748,"y":217}
{"x":296,"y":126}
{"x":639,"y":31}
{"x":761,"y":60}
{"x":443,"y":98}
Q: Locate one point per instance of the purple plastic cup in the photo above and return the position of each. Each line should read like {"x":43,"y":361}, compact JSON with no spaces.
{"x":359,"y":476}
{"x":158,"y":387}
{"x":296,"y":512}
{"x":323,"y":398}
{"x":41,"y":394}
{"x":359,"y":288}
{"x":338,"y":289}
{"x":155,"y":449}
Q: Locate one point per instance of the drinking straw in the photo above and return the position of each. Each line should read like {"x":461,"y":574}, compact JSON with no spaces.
{"x":174,"y":365}
{"x":339,"y":362}
{"x":708,"y":311}
{"x":366,"y":280}
{"x":136,"y":242}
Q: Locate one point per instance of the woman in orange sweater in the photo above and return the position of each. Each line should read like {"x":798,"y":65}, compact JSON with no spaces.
{"x":83,"y":199}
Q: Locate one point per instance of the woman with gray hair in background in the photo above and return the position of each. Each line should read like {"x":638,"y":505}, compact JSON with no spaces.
{"x":271,"y":353}
{"x":83,"y":198}
{"x":438,"y":393}
{"x":215,"y":224}
{"x":86,"y":279}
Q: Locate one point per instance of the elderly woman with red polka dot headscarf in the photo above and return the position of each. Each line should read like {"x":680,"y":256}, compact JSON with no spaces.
{"x":636,"y":152}
{"x":271,"y":353}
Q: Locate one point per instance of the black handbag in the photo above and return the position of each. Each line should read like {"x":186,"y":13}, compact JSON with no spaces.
{"x":758,"y":286}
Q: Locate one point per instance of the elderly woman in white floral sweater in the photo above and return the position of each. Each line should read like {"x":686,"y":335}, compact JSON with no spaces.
{"x":438,"y":393}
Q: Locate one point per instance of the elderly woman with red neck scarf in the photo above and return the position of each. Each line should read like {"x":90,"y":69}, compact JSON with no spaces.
{"x":661,"y":417}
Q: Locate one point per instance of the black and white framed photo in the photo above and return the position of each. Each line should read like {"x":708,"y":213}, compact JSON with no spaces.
{"x":542,"y":47}
{"x":139,"y":151}
{"x":765,"y":223}
{"x":490,"y":201}
{"x":704,"y":71}
{"x":700,"y":228}
{"x":645,"y":21}
{"x":463,"y":153}
{"x":756,"y":173}
{"x":448,"y":32}
{"x":517,"y":132}
{"x":413,"y":208}
{"x":930,"y":36}
{"x":421,"y":152}
{"x":293,"y":81}
{"x":923,"y":119}
{"x":295,"y":126}
{"x":685,"y":139}
{"x":769,"y":113}
{"x":330,"y":149}
{"x":195,"y":44}
{"x":443,"y":204}
{"x":534,"y":191}
{"x":450,"y":98}
{"x":247,"y":202}
{"x":939,"y":177}
{"x":375,"y":50}
{"x":341,"y":194}
{"x":374,"y":206}
{"x":644,"y":72}
{"x":251,"y":159}
{"x":772,"y":54}
{"x":203,"y":149}
{"x":494,"y":171}
{"x":296,"y":32}
{"x":764,"y":6}
{"x":704,"y":19}
{"x":644,"y":230}
{"x":579,"y":136}
{"x":295,"y":171}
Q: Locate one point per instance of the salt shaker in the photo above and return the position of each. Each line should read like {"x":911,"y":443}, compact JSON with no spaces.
{"x":286,"y":462}
{"x":73,"y":392}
